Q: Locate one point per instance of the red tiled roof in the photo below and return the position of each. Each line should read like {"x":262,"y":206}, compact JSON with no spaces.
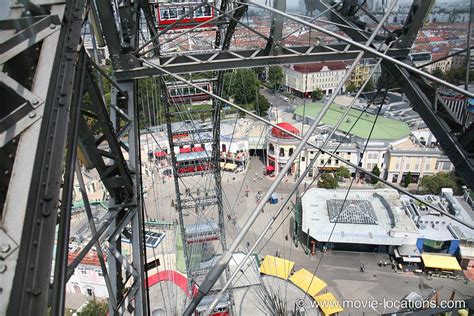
{"x":316,"y":67}
{"x":286,"y":126}
{"x":435,"y":39}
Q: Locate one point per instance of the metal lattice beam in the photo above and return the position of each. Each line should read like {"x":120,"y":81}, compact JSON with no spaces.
{"x":225,"y":60}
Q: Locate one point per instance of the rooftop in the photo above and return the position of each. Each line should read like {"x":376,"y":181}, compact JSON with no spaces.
{"x":385,"y":128}
{"x":317,"y":67}
{"x":435,"y":226}
{"x":369,"y":217}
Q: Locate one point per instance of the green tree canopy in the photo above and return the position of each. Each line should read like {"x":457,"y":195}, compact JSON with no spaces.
{"x":343,"y":172}
{"x":327,"y":181}
{"x":95,"y":308}
{"x":434,"y":183}
{"x":408,"y":178}
{"x":317,"y":94}
{"x":242,"y":84}
{"x":275,"y":77}
{"x":369,"y":86}
{"x":261,"y":105}
{"x":375,"y":171}
{"x":351,"y":87}
{"x":438,"y":73}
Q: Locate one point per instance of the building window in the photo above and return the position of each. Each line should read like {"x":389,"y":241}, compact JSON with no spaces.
{"x":90,"y":292}
{"x":337,"y":162}
{"x":395,"y":178}
{"x":282,"y":152}
{"x":427,"y":166}
{"x":329,"y":161}
{"x":290,"y":152}
{"x":322,"y":161}
{"x":446,"y":165}
{"x":303,"y":159}
{"x":271,"y":149}
{"x":83,"y":271}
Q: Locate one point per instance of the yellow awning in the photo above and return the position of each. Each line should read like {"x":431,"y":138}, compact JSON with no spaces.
{"x":440,"y":262}
{"x":275,"y":266}
{"x":328,"y":303}
{"x":228,"y":166}
{"x":308,"y":282}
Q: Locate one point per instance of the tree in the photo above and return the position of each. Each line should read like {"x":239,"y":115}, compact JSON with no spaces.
{"x":438,"y":73}
{"x":260,"y":71}
{"x":343,"y":172}
{"x":351,"y":87}
{"x":327,"y":181}
{"x":408,"y":179}
{"x":317,"y":94}
{"x":375,"y":171}
{"x":275,"y":77}
{"x":242,"y":84}
{"x":434,"y":183}
{"x":261,"y":105}
{"x":369,"y":86}
{"x":95,"y":308}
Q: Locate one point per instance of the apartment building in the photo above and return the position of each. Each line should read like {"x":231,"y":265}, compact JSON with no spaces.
{"x":302,"y":80}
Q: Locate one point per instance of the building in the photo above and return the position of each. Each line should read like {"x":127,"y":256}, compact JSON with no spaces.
{"x":235,"y":139}
{"x":420,"y":160}
{"x":384,"y":221}
{"x":303,"y":79}
{"x":459,"y":60}
{"x":380,"y":6}
{"x":280,"y":147}
{"x":439,"y":233}
{"x":385,"y":132}
{"x":88,"y":278}
{"x":369,"y":220}
{"x":420,"y":58}
{"x":362,"y":72}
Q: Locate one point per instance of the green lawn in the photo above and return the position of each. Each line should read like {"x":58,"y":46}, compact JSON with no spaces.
{"x":385,"y":128}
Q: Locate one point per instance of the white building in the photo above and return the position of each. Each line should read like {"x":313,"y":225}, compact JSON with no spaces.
{"x":87,"y":278}
{"x":302,"y":80}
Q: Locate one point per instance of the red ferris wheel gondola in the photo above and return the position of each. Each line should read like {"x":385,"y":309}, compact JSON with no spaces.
{"x":170,"y":11}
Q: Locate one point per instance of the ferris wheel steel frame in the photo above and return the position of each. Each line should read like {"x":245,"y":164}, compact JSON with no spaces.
{"x":46,"y":116}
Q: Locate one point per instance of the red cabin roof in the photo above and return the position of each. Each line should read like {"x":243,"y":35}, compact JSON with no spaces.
{"x":317,"y":67}
{"x":197,"y":149}
{"x":286,"y":126}
{"x":159,"y":154}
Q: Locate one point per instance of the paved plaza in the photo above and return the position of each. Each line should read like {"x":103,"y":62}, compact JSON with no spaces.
{"x":339,"y":269}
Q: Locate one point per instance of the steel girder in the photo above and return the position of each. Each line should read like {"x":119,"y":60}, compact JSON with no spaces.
{"x":232,"y":59}
{"x":29,"y":223}
{"x":44,"y":118}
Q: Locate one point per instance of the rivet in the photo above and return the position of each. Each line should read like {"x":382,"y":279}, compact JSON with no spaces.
{"x":32,"y":114}
{"x":36,"y":291}
{"x":5,"y":248}
{"x":3,"y":267}
{"x":52,"y":26}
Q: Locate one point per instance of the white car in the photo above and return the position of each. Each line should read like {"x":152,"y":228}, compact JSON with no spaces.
{"x":286,"y":99}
